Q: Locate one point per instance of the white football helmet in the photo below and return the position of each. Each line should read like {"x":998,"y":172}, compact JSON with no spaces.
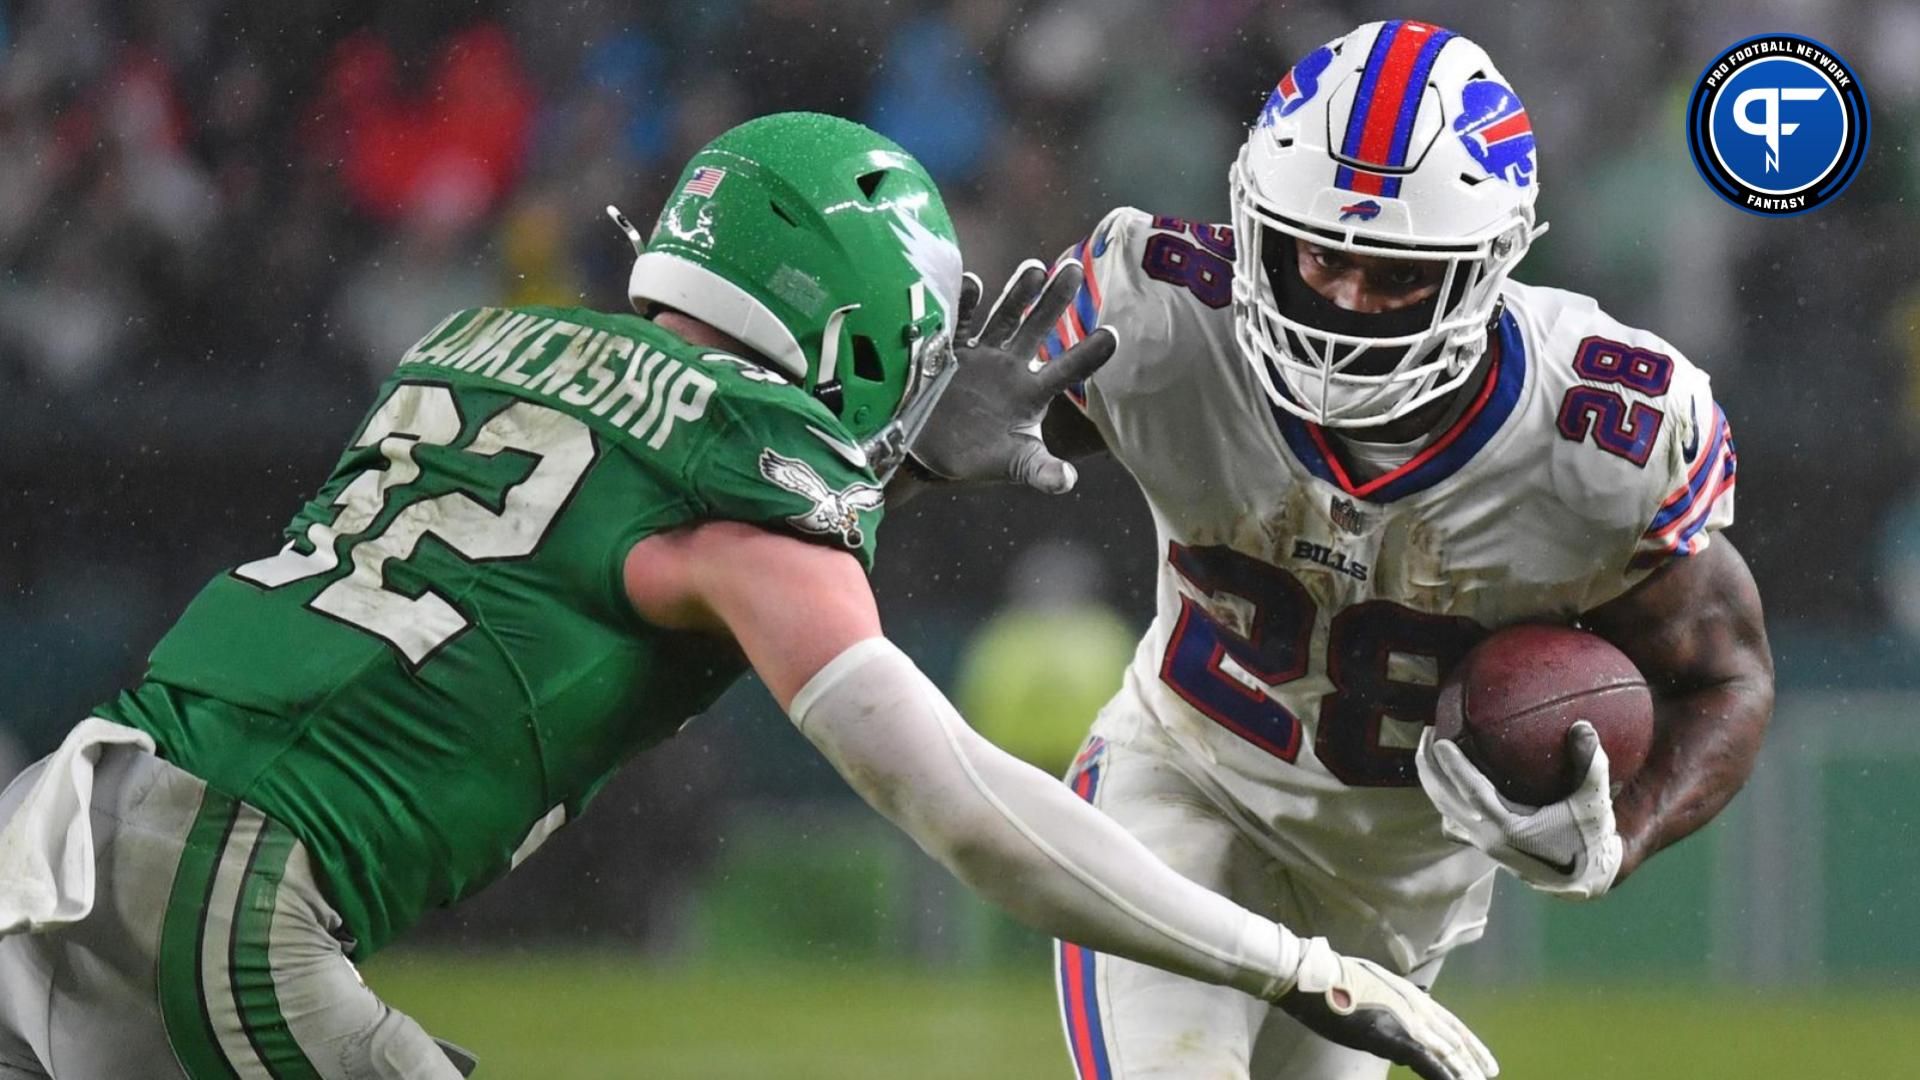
{"x":1399,"y":140}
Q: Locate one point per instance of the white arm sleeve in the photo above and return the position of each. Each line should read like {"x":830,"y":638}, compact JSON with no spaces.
{"x":1020,"y":838}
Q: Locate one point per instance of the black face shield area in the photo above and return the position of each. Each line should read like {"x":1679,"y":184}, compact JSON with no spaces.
{"x":1294,"y":298}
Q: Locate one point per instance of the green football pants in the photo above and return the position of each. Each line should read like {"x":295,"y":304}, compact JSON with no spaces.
{"x":210,"y":953}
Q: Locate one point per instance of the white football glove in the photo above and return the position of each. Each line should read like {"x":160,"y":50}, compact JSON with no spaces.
{"x":1358,"y":1003}
{"x":1570,"y":848}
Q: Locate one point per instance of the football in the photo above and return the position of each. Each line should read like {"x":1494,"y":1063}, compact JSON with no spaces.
{"x":1510,"y":702}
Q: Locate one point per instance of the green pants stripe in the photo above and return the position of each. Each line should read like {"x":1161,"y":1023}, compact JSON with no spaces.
{"x":217,"y":995}
{"x":250,"y":959}
{"x":182,"y":983}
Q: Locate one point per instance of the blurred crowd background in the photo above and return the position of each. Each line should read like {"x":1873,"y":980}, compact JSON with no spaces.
{"x":220,"y":223}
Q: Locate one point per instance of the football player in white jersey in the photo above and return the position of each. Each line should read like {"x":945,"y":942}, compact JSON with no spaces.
{"x":1365,"y":447}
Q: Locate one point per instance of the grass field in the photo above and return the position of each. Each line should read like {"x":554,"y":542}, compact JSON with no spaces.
{"x":596,"y":1018}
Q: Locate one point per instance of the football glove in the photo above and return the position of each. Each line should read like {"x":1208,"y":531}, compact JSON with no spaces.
{"x":987,"y":427}
{"x":1359,"y":1004}
{"x":1570,"y":848}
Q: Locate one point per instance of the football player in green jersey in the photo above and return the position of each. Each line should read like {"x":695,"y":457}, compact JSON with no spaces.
{"x":557,"y":536}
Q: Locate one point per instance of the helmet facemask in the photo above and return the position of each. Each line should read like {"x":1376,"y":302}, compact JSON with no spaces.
{"x":1347,"y":369}
{"x":1400,"y":140}
{"x":929,"y":340}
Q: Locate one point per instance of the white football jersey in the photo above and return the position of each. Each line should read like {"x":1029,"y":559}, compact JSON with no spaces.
{"x":1306,"y":615}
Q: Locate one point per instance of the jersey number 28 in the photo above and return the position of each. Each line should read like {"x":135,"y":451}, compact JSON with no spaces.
{"x":425,"y":414}
{"x":1385,"y":661}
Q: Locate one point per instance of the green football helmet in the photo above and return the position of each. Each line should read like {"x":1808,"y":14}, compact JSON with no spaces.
{"x":824,"y":247}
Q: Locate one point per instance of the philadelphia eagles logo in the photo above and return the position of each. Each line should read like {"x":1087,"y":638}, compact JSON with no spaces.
{"x":834,"y":513}
{"x":700,"y":232}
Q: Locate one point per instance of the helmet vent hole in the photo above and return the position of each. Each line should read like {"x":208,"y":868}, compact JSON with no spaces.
{"x":783,"y":215}
{"x":1469,"y":179}
{"x":866,"y":360}
{"x":870,"y":182}
{"x":1283,"y":143}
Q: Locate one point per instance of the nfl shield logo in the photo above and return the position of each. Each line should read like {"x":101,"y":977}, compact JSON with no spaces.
{"x":1348,"y":516}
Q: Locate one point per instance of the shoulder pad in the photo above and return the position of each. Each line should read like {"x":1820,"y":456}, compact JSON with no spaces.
{"x":781,"y":459}
{"x":1145,"y":274}
{"x":1642,"y":447}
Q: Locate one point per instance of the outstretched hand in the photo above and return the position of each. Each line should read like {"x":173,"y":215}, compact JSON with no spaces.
{"x":987,"y":426}
{"x":1360,"y":1004}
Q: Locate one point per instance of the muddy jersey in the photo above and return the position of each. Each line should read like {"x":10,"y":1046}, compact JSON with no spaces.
{"x":1306,"y":612}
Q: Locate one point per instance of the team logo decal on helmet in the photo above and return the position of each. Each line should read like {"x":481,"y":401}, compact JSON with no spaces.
{"x":1777,"y":124}
{"x":1297,"y":86}
{"x":699,"y":231}
{"x":1364,"y":210}
{"x":1494,"y":128}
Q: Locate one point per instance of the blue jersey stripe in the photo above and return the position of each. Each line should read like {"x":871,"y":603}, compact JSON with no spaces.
{"x":1701,"y":478}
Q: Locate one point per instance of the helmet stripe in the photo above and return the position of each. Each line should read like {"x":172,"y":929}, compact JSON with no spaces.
{"x":1369,"y":87}
{"x":1380,"y":127}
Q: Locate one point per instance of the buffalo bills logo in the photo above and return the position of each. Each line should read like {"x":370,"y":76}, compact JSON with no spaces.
{"x":1365,"y":210}
{"x":1494,"y":128}
{"x":1297,"y":86}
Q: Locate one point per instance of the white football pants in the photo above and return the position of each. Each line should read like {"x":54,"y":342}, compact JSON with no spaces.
{"x":1126,"y":1021}
{"x":210,"y":953}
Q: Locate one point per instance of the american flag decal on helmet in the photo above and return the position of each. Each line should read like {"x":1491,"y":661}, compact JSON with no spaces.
{"x":705,"y":181}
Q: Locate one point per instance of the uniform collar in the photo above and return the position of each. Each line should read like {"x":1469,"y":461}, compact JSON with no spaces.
{"x":1499,"y":393}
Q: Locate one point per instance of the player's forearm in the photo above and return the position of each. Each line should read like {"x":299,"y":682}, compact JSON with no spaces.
{"x":1020,"y":838}
{"x":1696,"y":629}
{"x":1707,"y":743}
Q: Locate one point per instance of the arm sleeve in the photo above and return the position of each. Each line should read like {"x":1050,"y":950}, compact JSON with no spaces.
{"x":1020,"y":838}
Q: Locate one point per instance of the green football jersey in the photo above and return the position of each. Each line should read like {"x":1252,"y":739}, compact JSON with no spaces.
{"x":441,"y":666}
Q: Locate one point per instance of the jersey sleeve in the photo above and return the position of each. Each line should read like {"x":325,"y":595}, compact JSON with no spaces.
{"x":1694,"y":483}
{"x":1642,"y":457}
{"x":1117,"y":294}
{"x":781,"y":461}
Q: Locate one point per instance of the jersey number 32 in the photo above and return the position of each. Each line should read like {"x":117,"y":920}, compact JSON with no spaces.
{"x":424,"y":414}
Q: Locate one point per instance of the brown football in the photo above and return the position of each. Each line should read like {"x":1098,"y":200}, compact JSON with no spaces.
{"x":1510,"y":702}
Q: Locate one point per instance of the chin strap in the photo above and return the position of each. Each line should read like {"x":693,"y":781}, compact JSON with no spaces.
{"x":828,"y":387}
{"x":633,"y":235}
